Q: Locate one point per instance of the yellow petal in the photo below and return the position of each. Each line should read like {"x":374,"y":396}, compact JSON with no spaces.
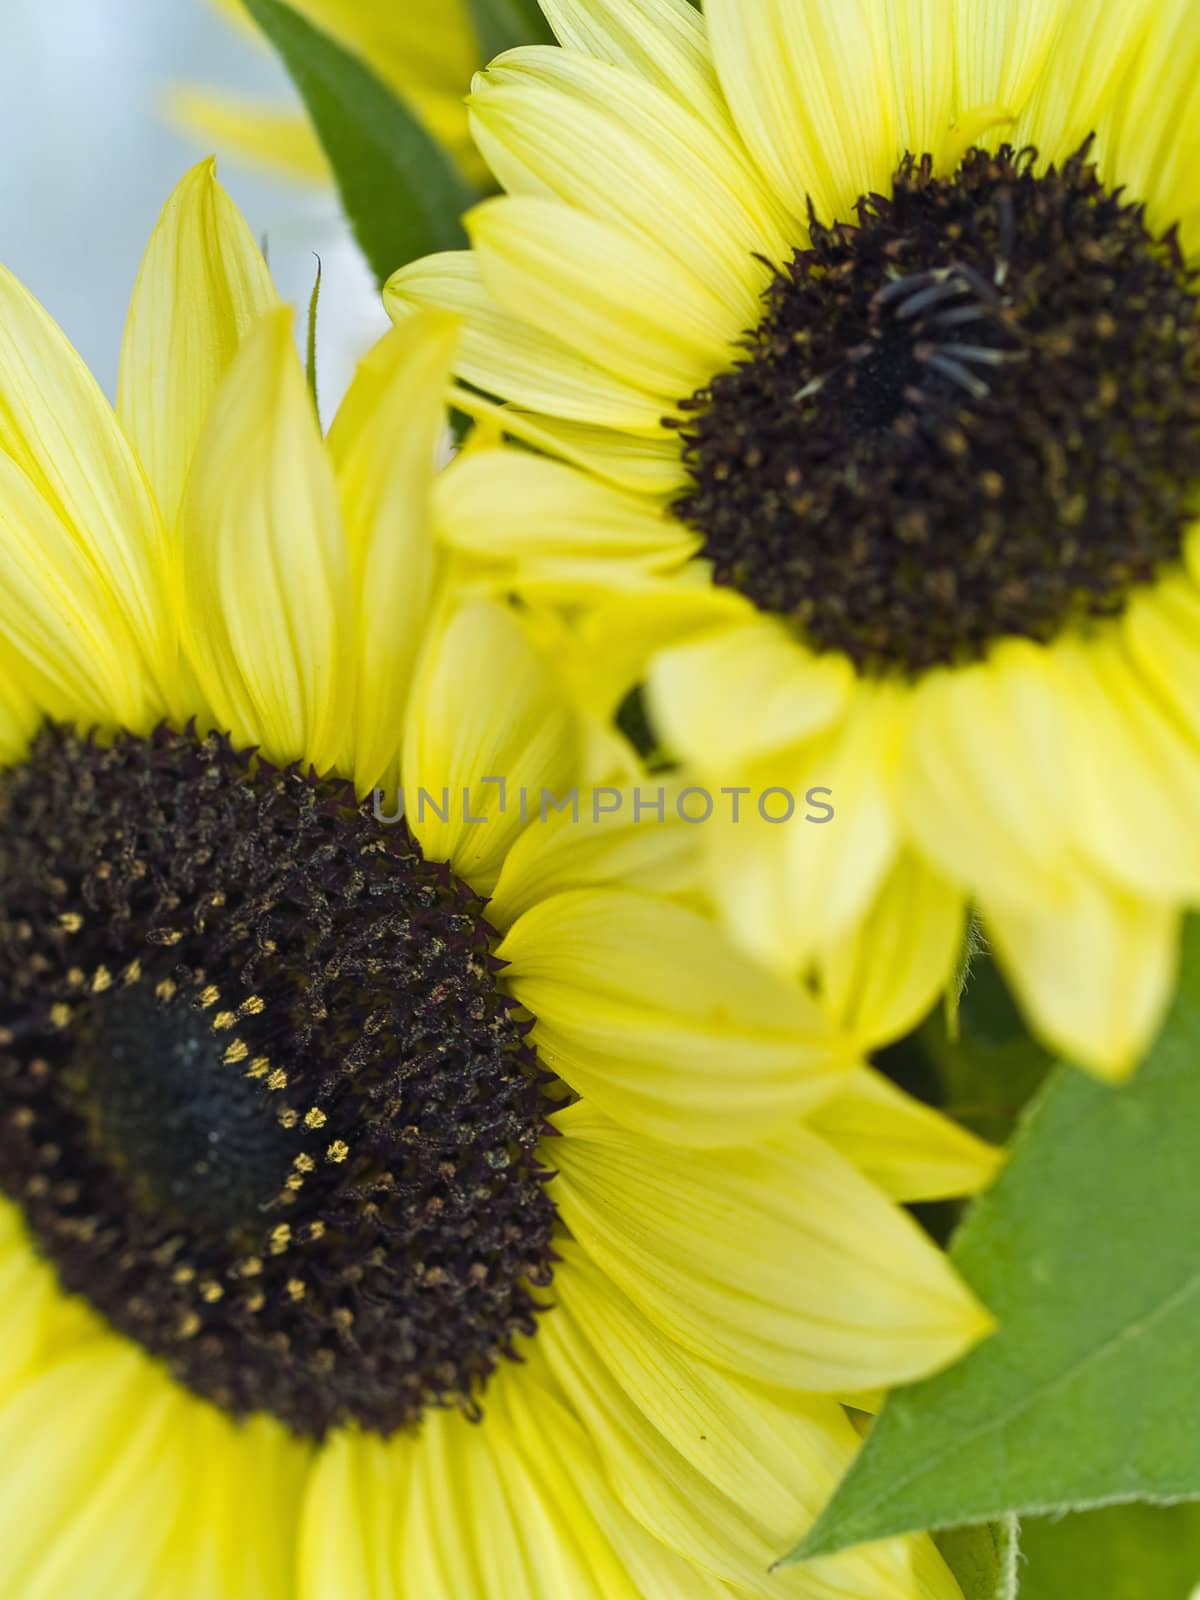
{"x":1191,"y":551}
{"x":1095,"y":974}
{"x":509,"y":506}
{"x":979,"y":788}
{"x":60,"y":430}
{"x":353,"y":1526}
{"x":279,"y":138}
{"x":815,"y":833}
{"x":1149,"y":133}
{"x":489,"y":734}
{"x":650,"y":465}
{"x":778,"y":1262}
{"x":266,"y":579}
{"x":568,"y":1464}
{"x":92,"y":1503}
{"x":743,"y":692}
{"x":911,"y":1151}
{"x":618,"y":640}
{"x":920,"y":35}
{"x":605,"y":140}
{"x":237,"y":1517}
{"x":19,"y":712}
{"x":1001,"y":47}
{"x":505,"y":355}
{"x":882,"y":975}
{"x":483,"y":1523}
{"x":619,"y":839}
{"x":664,"y":41}
{"x":625,"y":305}
{"x":27,"y":1285}
{"x":69,"y":648}
{"x":1161,"y":626}
{"x":646,"y":1008}
{"x":1082,"y":81}
{"x":809,"y":83}
{"x":383,"y":442}
{"x":1131,"y":775}
{"x":203,"y":285}
{"x":720,"y":1469}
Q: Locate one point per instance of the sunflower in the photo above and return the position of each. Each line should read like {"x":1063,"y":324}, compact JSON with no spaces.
{"x":425,"y":54}
{"x":893,"y":309}
{"x":393,"y":1206}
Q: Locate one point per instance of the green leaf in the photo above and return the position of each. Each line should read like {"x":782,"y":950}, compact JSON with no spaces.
{"x":1121,"y":1553}
{"x":403,"y":195}
{"x":310,"y":352}
{"x":502,"y":24}
{"x":984,"y":1559}
{"x":1086,"y":1250}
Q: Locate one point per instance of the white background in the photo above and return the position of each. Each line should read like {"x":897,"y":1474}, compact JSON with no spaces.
{"x":88,"y":157}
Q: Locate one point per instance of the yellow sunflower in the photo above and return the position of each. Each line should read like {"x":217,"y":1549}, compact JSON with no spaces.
{"x":393,"y":1207}
{"x":425,"y":53}
{"x":893,"y":308}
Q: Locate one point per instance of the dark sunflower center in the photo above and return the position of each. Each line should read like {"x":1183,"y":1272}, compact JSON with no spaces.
{"x":974,"y":412}
{"x":261,"y":1099}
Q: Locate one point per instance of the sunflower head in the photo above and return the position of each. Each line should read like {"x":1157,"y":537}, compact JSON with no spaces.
{"x":886,"y":315}
{"x":386,"y":1187}
{"x":268,"y":1110}
{"x":975,"y":360}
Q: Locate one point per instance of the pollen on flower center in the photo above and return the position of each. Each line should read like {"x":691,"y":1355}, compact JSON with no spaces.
{"x":973,"y":412}
{"x":261,"y":1099}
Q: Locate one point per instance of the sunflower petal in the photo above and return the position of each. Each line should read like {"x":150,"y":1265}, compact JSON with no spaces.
{"x":1131,"y":775}
{"x":779,"y":1262}
{"x":1095,"y":973}
{"x":237,"y":1517}
{"x":618,"y":840}
{"x":505,"y":355}
{"x":26,"y":1286}
{"x":67,"y":639}
{"x":556,"y":1442}
{"x":882,"y":975}
{"x":909,"y":1150}
{"x":93,"y":1503}
{"x":19,"y":714}
{"x":265,"y":570}
{"x":383,"y":442}
{"x":619,"y":147}
{"x":59,"y":429}
{"x":481,"y":1521}
{"x":1083,"y":78}
{"x":663,"y":41}
{"x":489,"y":735}
{"x":1001,"y":47}
{"x":979,"y":785}
{"x":815,"y":834}
{"x":809,"y":83}
{"x":278,"y":138}
{"x":352,"y":1533}
{"x":649,"y":465}
{"x":645,"y":1007}
{"x":625,"y":305}
{"x":1148,"y":137}
{"x":1161,"y":626}
{"x":508,"y":505}
{"x":714,"y":1466}
{"x":203,"y":285}
{"x":701,"y":693}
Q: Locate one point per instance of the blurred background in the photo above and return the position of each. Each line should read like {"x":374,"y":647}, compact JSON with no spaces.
{"x":90,"y":156}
